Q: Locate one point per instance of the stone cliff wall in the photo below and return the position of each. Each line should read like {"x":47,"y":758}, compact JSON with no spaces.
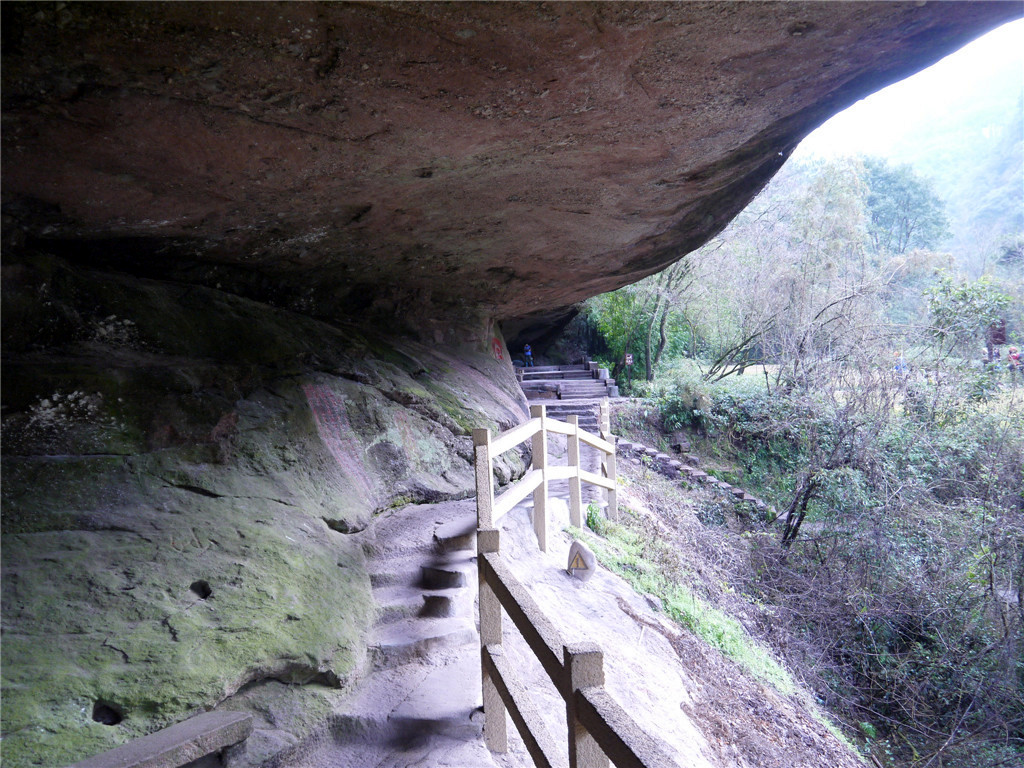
{"x":182,"y":473}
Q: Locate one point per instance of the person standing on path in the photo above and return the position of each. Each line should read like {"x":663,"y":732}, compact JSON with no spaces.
{"x":528,"y":354}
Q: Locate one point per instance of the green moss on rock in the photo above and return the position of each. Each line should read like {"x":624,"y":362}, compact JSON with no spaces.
{"x":166,"y":544}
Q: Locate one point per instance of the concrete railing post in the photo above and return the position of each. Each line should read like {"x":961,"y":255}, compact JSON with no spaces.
{"x":495,"y":723}
{"x":484,"y":475}
{"x":613,"y":493}
{"x":584,"y":668}
{"x":540,"y":461}
{"x":608,"y":463}
{"x":575,"y":491}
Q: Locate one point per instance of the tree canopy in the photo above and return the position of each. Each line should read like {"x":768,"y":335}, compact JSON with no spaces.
{"x":904,"y":211}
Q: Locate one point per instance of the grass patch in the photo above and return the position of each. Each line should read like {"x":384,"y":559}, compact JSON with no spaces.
{"x":624,"y":551}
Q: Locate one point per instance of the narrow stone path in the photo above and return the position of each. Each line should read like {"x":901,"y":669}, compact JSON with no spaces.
{"x":419,"y":703}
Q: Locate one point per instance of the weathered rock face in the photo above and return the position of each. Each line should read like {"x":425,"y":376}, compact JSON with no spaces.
{"x":183,"y":470}
{"x":350,"y":158}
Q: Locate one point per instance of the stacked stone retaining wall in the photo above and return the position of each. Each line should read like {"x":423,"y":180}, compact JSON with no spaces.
{"x":688,"y":471}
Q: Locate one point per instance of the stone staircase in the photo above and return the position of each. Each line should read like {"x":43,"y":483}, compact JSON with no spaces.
{"x":419,"y":702}
{"x":566,"y":382}
{"x":586,"y":412}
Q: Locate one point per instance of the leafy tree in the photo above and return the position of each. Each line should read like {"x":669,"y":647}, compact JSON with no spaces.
{"x":900,"y":534}
{"x":1011,"y":253}
{"x":790,"y":276}
{"x":639,"y":317}
{"x":961,"y":312}
{"x":904,"y":211}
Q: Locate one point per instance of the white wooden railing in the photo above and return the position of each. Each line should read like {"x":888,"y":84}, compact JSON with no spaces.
{"x":599,"y":729}
{"x":491,"y":509}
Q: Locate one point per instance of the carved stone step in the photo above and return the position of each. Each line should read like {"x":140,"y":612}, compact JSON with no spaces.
{"x":445,"y":575}
{"x":456,"y":535}
{"x":402,"y":575}
{"x":397,"y":705}
{"x":417,"y":638}
{"x":401,"y":602}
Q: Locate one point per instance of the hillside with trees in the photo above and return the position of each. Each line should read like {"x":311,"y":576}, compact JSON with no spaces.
{"x":831,"y":353}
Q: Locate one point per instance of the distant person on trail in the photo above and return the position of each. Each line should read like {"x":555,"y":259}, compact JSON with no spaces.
{"x":900,"y":368}
{"x":528,"y":355}
{"x":1013,"y":363}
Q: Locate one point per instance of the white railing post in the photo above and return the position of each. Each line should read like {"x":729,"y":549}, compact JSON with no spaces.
{"x":584,"y":668}
{"x":608,"y":463}
{"x":613,"y":494}
{"x":540,"y":461}
{"x":575,"y":492}
{"x":495,"y":723}
{"x":484,"y":481}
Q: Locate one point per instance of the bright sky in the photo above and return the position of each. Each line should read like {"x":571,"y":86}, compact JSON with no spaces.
{"x":877,"y":123}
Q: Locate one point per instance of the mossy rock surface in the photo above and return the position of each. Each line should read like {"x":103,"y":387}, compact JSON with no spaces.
{"x":180,"y":492}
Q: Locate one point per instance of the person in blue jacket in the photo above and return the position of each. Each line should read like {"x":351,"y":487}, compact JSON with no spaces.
{"x":528,"y":354}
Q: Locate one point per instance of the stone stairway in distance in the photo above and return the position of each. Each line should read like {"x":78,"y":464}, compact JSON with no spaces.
{"x":566,"y":382}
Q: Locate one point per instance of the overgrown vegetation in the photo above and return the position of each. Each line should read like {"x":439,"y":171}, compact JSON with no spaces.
{"x":896,"y":558}
{"x":832,"y":364}
{"x":648,"y":564}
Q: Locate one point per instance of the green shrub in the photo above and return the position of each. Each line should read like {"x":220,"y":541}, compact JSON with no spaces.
{"x":595,"y":521}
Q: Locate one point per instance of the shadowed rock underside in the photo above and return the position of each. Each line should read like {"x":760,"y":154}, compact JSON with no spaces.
{"x":345,"y":159}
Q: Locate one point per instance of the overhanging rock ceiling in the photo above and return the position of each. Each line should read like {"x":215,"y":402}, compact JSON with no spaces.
{"x":348,"y":158}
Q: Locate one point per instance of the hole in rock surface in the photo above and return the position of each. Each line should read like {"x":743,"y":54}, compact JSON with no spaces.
{"x":105,"y":713}
{"x":201,"y":588}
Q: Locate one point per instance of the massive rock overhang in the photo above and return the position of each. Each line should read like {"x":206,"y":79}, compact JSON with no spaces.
{"x":505,"y":159}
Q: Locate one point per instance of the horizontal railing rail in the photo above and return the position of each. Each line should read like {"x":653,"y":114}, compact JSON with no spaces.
{"x":545,"y":752}
{"x":616,"y":732}
{"x":540,"y":634}
{"x":522,"y":488}
{"x":513,"y":437}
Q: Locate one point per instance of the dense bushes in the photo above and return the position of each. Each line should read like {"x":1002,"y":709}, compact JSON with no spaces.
{"x":905,"y":582}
